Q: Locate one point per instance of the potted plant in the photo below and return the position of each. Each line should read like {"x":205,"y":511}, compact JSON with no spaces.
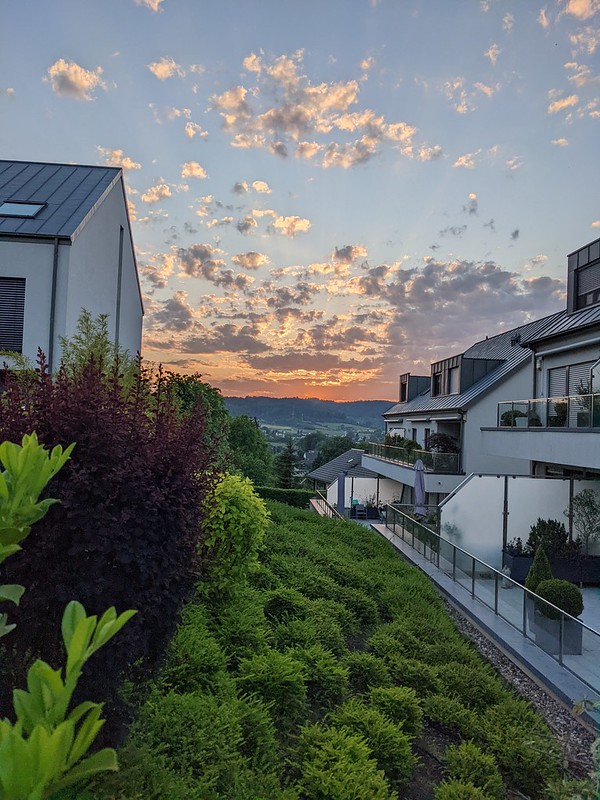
{"x":539,"y":572}
{"x":509,"y":418}
{"x":568,"y":598}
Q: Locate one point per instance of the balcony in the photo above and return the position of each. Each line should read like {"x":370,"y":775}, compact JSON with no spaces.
{"x":448,"y":463}
{"x":549,"y":430}
{"x":574,"y":412}
{"x":442,"y":470}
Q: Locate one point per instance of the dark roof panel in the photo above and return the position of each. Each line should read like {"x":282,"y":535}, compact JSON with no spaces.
{"x":566,"y":323}
{"x":349,"y":462}
{"x":69,"y":191}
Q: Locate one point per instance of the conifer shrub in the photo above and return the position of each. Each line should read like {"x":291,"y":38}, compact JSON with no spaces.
{"x":459,"y":790}
{"x":416,"y":674}
{"x":328,"y":631}
{"x":468,"y":763}
{"x":347,"y":621}
{"x":278,"y":679}
{"x":390,"y":746}
{"x":365,"y":672}
{"x":475,"y":686}
{"x":292,"y":497}
{"x":336,"y":764}
{"x":539,"y":571}
{"x":283,"y":604}
{"x":297,"y":633}
{"x":239,"y":626}
{"x":194,"y":660}
{"x":401,"y":705}
{"x":326,"y":677}
{"x":131,"y":505}
{"x":262,"y":577}
{"x":451,"y":714}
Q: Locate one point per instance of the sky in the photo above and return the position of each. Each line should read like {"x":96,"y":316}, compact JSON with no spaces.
{"x":324,"y":194}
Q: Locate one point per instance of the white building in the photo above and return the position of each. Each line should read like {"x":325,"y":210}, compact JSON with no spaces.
{"x":65,"y":245}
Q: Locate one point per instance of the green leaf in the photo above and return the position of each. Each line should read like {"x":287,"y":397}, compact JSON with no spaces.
{"x":102,"y":761}
{"x":80,"y":640}
{"x":12,"y":592}
{"x":88,"y":730}
{"x":72,"y":616}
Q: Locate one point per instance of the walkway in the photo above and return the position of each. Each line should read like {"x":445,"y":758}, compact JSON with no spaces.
{"x":533,"y":660}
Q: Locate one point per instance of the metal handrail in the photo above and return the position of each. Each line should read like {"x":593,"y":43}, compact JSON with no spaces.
{"x":433,"y":462}
{"x":333,"y":512}
{"x":562,"y":411}
{"x":429,"y":537}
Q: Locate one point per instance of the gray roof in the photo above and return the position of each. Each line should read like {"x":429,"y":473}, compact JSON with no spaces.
{"x":503,"y":346}
{"x":349,"y":462}
{"x":71,"y":193}
{"x":564,"y":323}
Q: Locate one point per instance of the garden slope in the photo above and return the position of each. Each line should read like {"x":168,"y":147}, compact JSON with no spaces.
{"x":335,"y":675}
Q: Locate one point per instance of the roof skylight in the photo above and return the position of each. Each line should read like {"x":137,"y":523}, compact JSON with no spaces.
{"x":16,"y":209}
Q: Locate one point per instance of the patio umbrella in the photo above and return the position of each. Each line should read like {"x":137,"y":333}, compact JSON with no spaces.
{"x":419,"y":491}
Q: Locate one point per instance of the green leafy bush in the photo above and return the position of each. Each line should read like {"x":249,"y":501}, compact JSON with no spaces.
{"x":467,"y":763}
{"x":539,"y":571}
{"x":337,"y":611}
{"x":458,"y":790}
{"x":401,"y":705}
{"x":232,"y":533}
{"x":336,"y":765}
{"x":238,"y":624}
{"x":326,"y":677}
{"x":277,"y":679}
{"x":389,"y":745}
{"x":284,"y":604}
{"x":365,"y":672}
{"x":475,"y":686}
{"x":549,"y":534}
{"x":298,"y":633}
{"x":563,"y":594}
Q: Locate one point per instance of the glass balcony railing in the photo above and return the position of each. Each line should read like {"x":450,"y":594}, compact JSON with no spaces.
{"x":574,"y":411}
{"x":433,"y":462}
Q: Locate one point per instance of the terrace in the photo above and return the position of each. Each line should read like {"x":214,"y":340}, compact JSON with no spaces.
{"x":433,"y":462}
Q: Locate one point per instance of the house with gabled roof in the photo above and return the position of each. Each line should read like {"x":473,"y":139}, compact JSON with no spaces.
{"x":456,"y":400}
{"x":65,"y":245}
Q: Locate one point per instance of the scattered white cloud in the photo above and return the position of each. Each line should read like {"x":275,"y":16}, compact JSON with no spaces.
{"x":467,"y":161}
{"x":582,"y":9}
{"x":508,"y":22}
{"x":492,"y":53}
{"x":562,"y":142}
{"x":562,"y":103}
{"x":68,"y":78}
{"x":290,"y":226}
{"x":367,"y":63}
{"x":472,"y":204}
{"x":117,"y":158}
{"x":192,"y":169}
{"x":261,"y":187}
{"x":586,"y":40}
{"x":514,"y":163}
{"x":165,"y":68}
{"x":193,"y":129}
{"x":427,"y":153}
{"x":155,"y":193}
{"x":250,"y":260}
{"x":543,"y":19}
{"x":153,"y":5}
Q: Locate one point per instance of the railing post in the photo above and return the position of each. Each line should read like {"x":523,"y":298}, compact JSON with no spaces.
{"x":561,"y":635}
{"x":473,"y":577}
{"x":453,"y":563}
{"x":524,"y":613}
{"x":496,"y":592}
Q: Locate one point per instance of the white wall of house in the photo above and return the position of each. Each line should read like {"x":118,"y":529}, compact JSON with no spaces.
{"x":87,"y":277}
{"x":364,"y":489}
{"x":586,"y":349}
{"x":93,"y":273}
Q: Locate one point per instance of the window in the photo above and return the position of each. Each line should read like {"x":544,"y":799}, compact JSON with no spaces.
{"x":588,"y":286}
{"x":10,"y":209}
{"x":12,"y":312}
{"x":414,"y":434}
{"x":453,"y":380}
{"x":436,"y":384}
{"x":427,"y":434}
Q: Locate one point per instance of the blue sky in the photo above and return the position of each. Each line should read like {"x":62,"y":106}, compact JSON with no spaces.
{"x":323,"y":194}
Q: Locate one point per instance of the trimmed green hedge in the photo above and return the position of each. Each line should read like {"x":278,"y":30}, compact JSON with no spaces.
{"x":298,"y":498}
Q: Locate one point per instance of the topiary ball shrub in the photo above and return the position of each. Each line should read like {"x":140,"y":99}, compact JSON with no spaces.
{"x":365,"y":671}
{"x":459,"y":790}
{"x":327,"y":679}
{"x":278,"y":680}
{"x":539,"y":571}
{"x":401,"y":705}
{"x":467,"y":763}
{"x":337,"y":764}
{"x":563,"y":594}
{"x":390,"y":746}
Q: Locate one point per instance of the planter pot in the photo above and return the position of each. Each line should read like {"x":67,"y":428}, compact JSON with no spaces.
{"x":580,"y":570}
{"x":547,"y":635}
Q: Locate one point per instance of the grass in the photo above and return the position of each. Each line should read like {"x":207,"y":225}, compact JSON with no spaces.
{"x":336,"y":667}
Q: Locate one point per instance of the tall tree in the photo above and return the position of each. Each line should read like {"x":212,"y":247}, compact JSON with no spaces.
{"x":332,"y":448}
{"x":285,"y":465}
{"x":250,"y":451}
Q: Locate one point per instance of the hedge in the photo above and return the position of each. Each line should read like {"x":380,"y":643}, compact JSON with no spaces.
{"x":298,"y":498}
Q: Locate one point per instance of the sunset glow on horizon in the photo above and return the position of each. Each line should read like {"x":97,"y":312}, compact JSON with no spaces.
{"x":323,"y":195}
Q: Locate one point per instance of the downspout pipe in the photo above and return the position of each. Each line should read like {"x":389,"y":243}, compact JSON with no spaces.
{"x":53,"y":305}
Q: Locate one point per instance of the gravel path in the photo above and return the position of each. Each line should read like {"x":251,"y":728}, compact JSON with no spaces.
{"x":574,"y":736}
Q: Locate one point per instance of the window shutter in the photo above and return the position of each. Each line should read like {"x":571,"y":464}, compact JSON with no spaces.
{"x":557,"y":382}
{"x":12,"y":313}
{"x":579,"y":378}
